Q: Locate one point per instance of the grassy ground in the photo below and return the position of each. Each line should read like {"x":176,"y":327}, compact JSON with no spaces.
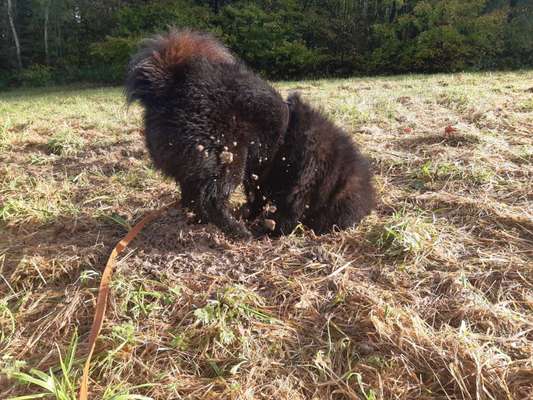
{"x":430,"y":298}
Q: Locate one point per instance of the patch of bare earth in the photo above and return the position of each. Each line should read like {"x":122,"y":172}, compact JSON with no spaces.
{"x":430,"y":298}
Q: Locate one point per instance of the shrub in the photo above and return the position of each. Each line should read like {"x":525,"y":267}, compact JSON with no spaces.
{"x":403,"y":235}
{"x":149,"y":17}
{"x":64,"y":143}
{"x":267,"y":41}
{"x":111,"y":58}
{"x":36,"y":75}
{"x":6,"y":79}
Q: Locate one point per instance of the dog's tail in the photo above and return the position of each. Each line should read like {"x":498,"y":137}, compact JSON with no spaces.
{"x":161,"y":60}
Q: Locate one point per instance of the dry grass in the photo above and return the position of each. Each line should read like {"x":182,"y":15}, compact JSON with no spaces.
{"x":430,"y":298}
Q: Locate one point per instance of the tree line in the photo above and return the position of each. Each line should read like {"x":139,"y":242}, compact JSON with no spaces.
{"x":44,"y":41}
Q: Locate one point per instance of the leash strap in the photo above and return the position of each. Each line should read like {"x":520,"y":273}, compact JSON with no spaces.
{"x":103,"y":292}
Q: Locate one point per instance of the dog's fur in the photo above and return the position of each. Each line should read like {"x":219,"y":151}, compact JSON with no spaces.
{"x":212,"y":124}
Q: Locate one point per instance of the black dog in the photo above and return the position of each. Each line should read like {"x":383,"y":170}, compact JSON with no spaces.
{"x":212,"y":124}
{"x":318,"y":178}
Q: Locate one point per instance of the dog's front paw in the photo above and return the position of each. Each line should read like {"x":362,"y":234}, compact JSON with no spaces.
{"x":239,"y":232}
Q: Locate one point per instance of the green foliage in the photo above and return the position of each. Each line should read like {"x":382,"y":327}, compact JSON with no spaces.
{"x":113,"y":53}
{"x":5,"y":79}
{"x":154,"y":16}
{"x":440,"y":36}
{"x":59,"y":383}
{"x":64,"y":143}
{"x":93,"y":41}
{"x":403,"y":236}
{"x":268,"y":40}
{"x":233,"y":305}
{"x":518,"y":34}
{"x":35,"y":75}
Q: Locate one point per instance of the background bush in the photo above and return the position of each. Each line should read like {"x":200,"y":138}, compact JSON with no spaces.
{"x":35,"y":75}
{"x":93,"y":40}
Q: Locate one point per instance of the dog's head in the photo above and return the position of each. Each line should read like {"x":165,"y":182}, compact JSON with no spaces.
{"x":163,"y":59}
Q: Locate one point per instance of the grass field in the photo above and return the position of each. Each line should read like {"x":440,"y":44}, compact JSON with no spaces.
{"x":430,"y":298}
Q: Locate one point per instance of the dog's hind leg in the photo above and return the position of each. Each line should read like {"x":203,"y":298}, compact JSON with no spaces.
{"x":286,"y":217}
{"x":293,"y":206}
{"x":254,"y":204}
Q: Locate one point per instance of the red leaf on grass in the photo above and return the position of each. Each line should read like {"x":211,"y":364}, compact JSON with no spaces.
{"x":449,"y":130}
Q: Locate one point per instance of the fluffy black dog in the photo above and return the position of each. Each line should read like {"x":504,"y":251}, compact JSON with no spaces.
{"x":318,"y":178}
{"x":212,"y":124}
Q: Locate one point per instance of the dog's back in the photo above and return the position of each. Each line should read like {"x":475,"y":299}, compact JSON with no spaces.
{"x":320,"y":177}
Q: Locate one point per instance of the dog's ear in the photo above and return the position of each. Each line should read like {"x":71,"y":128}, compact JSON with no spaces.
{"x":148,"y":75}
{"x":293,"y":98}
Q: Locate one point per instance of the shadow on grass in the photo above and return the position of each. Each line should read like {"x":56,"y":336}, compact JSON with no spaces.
{"x":24,"y":93}
{"x":457,"y":140}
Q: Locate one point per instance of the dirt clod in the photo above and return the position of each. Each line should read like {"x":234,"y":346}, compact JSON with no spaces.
{"x":226,"y":157}
{"x":269,"y":224}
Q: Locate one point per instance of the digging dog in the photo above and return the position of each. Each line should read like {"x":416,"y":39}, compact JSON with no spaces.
{"x":212,"y":124}
{"x":319,"y":177}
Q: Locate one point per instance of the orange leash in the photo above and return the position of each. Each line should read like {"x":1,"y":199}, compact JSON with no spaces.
{"x":103,"y":293}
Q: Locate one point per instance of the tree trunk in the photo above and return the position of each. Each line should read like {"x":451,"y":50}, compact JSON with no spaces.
{"x":59,"y":48}
{"x":510,"y":14}
{"x":392,"y":13}
{"x":14,"y":31}
{"x":46,"y":17}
